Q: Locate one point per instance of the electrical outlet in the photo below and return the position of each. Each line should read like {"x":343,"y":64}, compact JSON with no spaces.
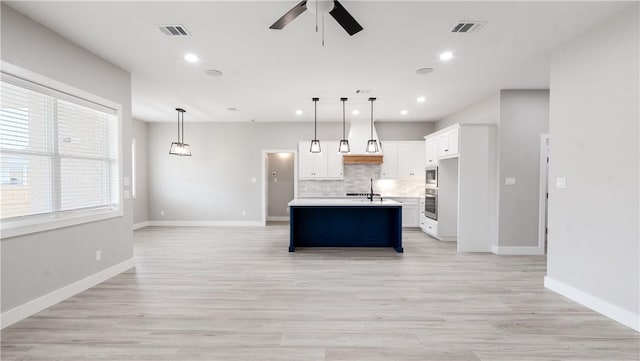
{"x":561,"y":182}
{"x":162,"y":213}
{"x":254,"y":179}
{"x":244,"y":213}
{"x":126,"y":194}
{"x":510,"y":181}
{"x":98,"y":255}
{"x":125,"y":181}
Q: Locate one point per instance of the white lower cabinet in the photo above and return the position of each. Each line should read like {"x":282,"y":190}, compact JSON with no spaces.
{"x":410,"y":211}
{"x":431,"y":227}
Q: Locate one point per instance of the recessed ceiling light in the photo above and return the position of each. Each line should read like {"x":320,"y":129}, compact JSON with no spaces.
{"x":213,"y":72}
{"x":421,"y":99}
{"x":355,"y":112}
{"x":404,"y":112}
{"x":447,"y":55}
{"x":233,"y":109}
{"x":423,"y":71}
{"x":192,"y":58}
{"x":298,"y":112}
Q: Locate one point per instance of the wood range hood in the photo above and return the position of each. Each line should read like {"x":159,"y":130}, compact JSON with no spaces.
{"x":362,"y":159}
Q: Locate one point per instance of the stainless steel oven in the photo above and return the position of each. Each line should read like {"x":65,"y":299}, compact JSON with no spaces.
{"x":431,"y":203}
{"x":431,"y":178}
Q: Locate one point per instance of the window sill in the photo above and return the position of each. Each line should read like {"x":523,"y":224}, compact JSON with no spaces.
{"x":51,"y":222}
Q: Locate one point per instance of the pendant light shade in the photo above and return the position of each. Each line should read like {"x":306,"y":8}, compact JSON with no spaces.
{"x":344,"y":143}
{"x":180,"y":147}
{"x":372,"y":144}
{"x":315,"y":143}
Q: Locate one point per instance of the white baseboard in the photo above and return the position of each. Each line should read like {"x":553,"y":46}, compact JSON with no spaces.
{"x":517,"y":251}
{"x":32,"y":307}
{"x":278,"y":218}
{"x":206,"y":223}
{"x":140,"y":225}
{"x":599,"y":305}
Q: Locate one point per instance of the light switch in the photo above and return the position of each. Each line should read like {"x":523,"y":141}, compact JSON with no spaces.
{"x":561,"y":182}
{"x":125,"y":181}
{"x":510,"y":181}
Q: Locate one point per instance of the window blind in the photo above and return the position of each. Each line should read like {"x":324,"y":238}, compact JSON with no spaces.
{"x":58,"y":153}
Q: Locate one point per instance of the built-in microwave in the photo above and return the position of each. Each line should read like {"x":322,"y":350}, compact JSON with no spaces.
{"x":431,"y":178}
{"x":431,"y":203}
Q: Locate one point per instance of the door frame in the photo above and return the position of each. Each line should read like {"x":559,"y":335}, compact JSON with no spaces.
{"x":544,"y":189}
{"x":265,"y":176}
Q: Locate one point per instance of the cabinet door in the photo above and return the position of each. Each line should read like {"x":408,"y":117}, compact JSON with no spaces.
{"x":430,"y":152}
{"x":443,"y":145}
{"x":311,"y":165}
{"x":452,"y":138}
{"x":389,"y":168}
{"x":411,"y":160}
{"x":410,"y":215}
{"x":334,"y":160}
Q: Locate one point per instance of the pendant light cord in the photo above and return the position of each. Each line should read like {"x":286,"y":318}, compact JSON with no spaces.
{"x":371,"y":117}
{"x":182,"y":141}
{"x":343,"y":102}
{"x":315,"y":119}
{"x":178,"y":127}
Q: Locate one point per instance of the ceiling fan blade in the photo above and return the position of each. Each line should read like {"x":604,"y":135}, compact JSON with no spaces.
{"x":290,"y":15}
{"x":345,"y":19}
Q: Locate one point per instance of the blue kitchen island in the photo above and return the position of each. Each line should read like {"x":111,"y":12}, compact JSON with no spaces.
{"x":338,"y":222}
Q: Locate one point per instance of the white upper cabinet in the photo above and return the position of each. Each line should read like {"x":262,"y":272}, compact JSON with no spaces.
{"x":403,"y":159}
{"x":448,"y":144}
{"x":441,"y":145}
{"x":389,"y":168}
{"x":335,"y":165}
{"x":324,"y":165}
{"x":431,"y":152}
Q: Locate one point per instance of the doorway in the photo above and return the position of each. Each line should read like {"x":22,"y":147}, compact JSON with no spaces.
{"x":544,"y":194}
{"x":279,"y":184}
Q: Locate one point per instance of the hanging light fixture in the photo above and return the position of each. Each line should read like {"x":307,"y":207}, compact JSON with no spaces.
{"x":315,"y":143}
{"x":372,"y":144}
{"x":180,"y":147}
{"x":344,"y":143}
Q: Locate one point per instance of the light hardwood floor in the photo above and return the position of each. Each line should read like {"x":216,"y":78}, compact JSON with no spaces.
{"x":237,"y":294}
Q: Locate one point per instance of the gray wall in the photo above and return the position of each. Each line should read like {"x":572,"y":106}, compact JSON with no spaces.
{"x":215,"y":183}
{"x":593,"y":224}
{"x":140,"y":203}
{"x":39,"y":263}
{"x":404,"y":130}
{"x":524,"y":116}
{"x":280,"y":187}
{"x":484,"y":111}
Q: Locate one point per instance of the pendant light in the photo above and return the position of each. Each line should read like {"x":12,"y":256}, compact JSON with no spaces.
{"x":372,"y":144}
{"x":180,"y":147}
{"x":344,"y":143}
{"x":315,"y":143}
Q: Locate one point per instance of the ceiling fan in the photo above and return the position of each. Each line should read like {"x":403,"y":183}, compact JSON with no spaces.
{"x":333,"y":7}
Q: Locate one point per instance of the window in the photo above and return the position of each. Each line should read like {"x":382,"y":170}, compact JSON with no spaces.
{"x":59,"y":156}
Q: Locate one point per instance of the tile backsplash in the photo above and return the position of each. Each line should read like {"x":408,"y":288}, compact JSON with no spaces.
{"x":356,"y":180}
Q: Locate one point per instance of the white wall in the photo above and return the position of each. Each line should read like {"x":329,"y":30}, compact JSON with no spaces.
{"x":37,"y":264}
{"x":593,"y":252}
{"x":140,"y":203}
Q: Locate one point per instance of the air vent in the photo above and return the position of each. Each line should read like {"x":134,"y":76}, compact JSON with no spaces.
{"x":173,"y":30}
{"x":467,"y":26}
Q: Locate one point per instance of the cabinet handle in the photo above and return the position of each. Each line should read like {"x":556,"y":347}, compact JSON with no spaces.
{"x":446,"y":150}
{"x":430,"y":161}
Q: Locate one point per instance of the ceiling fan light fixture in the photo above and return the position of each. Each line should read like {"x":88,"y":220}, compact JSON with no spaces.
{"x":320,"y":6}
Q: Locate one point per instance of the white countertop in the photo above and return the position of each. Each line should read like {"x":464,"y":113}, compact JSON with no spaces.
{"x":342,"y":202}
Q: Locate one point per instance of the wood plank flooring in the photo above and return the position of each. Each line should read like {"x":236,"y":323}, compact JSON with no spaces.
{"x":237,"y":294}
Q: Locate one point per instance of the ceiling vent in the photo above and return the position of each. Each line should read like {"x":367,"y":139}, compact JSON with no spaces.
{"x":467,"y":26}
{"x":173,"y":30}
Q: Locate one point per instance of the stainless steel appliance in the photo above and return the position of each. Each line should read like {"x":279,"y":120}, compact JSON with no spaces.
{"x":431,"y":178}
{"x":431,"y":203}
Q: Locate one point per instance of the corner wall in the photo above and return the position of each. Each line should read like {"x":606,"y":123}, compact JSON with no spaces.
{"x":140,"y":202}
{"x":594,"y":247}
{"x":40,"y":264}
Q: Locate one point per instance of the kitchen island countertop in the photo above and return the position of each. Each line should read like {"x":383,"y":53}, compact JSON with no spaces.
{"x":342,"y":202}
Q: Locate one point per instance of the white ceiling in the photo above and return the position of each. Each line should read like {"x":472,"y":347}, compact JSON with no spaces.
{"x":268,"y":74}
